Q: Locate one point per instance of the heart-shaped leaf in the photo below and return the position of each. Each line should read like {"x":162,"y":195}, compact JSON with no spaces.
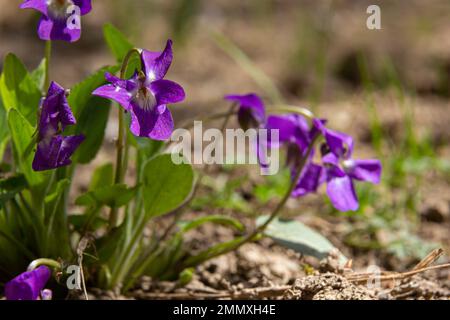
{"x":4,"y":132}
{"x":116,"y":41}
{"x":166,"y":185}
{"x":18,"y":90}
{"x":38,"y":75}
{"x":91,"y":113}
{"x":22,"y":136}
{"x":120,"y":46}
{"x":297,"y":236}
{"x":102,"y":177}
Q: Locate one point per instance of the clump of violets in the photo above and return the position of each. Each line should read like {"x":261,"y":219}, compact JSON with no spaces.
{"x":53,"y":149}
{"x":337,"y":168}
{"x":60,"y":19}
{"x":146,"y":95}
{"x":29,"y":285}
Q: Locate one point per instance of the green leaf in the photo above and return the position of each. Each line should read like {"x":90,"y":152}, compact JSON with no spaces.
{"x":223,"y":220}
{"x":56,"y":227}
{"x":161,"y":264}
{"x":103,"y":176}
{"x":22,"y":136}
{"x":91,"y":113}
{"x":18,"y":90}
{"x":38,"y":75}
{"x":92,"y":124}
{"x":4,"y":132}
{"x":114,"y":196}
{"x":61,"y":185}
{"x":116,"y":41}
{"x":11,"y":186}
{"x":110,"y":243}
{"x":147,"y":147}
{"x":120,"y":46}
{"x":81,"y":93}
{"x":166,"y":185}
{"x":297,"y":236}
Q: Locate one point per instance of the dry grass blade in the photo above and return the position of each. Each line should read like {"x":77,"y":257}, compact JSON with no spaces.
{"x":429,"y":259}
{"x":422,"y":266}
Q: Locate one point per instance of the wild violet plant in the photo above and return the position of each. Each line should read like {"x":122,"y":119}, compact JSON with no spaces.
{"x":50,"y":131}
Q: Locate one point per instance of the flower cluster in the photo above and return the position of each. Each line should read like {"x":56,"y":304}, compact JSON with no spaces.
{"x":337,"y":169}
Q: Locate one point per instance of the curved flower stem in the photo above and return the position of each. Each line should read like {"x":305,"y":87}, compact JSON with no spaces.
{"x":294,"y":182}
{"x":48,"y":54}
{"x":43,"y":262}
{"x":120,"y":145}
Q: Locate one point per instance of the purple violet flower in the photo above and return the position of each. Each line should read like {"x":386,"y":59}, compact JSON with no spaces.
{"x":146,"y":95}
{"x":56,"y":152}
{"x":341,"y":169}
{"x":251,"y":113}
{"x":55,"y":112}
{"x":28,"y":285}
{"x":60,"y":18}
{"x":294,"y":132}
{"x":53,"y":149}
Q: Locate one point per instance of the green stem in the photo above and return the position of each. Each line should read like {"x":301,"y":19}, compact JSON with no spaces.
{"x":120,"y":163}
{"x":283,"y":201}
{"x":48,"y":54}
{"x":43,"y":262}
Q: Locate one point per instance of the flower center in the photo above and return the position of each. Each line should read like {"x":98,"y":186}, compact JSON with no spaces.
{"x":348,"y":164}
{"x":145,"y":98}
{"x":58,"y":8}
